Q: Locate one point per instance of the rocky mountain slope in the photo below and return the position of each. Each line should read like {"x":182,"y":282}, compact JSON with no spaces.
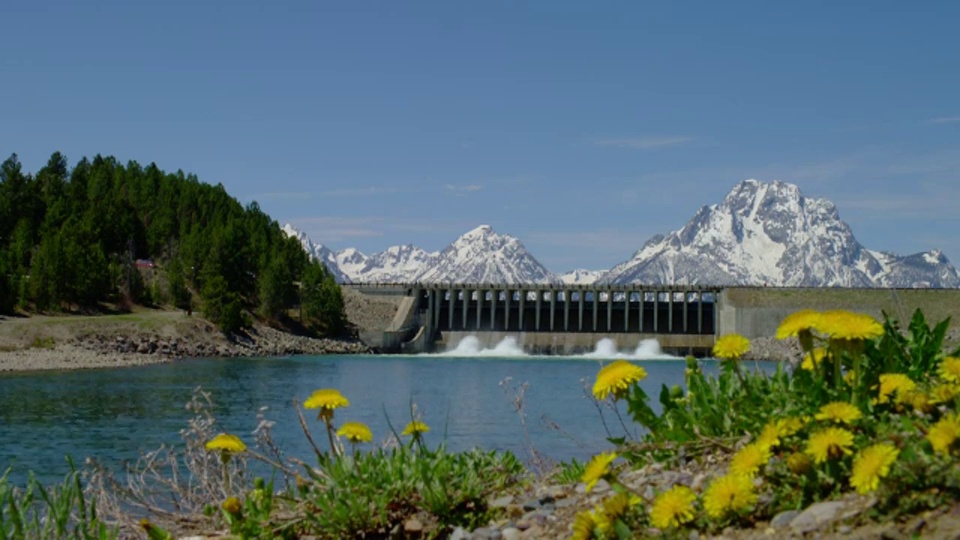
{"x":760,"y":234}
{"x":478,"y":256}
{"x":771,"y":234}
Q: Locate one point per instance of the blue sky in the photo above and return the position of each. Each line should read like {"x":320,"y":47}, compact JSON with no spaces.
{"x":583,"y":128}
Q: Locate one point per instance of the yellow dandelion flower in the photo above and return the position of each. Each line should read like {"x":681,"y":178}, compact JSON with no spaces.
{"x":950,"y":369}
{"x":612,"y":509}
{"x":750,"y":459}
{"x":891,"y":383}
{"x":583,"y":525}
{"x":775,"y":431}
{"x":801,"y":321}
{"x":355,"y":432}
{"x":226,"y":443}
{"x":415,"y":427}
{"x":813,"y":358}
{"x":799,"y":463}
{"x":944,"y":393}
{"x":769,"y":435}
{"x":673,"y":508}
{"x":944,"y":433}
{"x":603,"y":521}
{"x":732,"y":493}
{"x":871,"y":465}
{"x":326,"y":398}
{"x":839,"y":412}
{"x":842,"y":324}
{"x":731,"y":347}
{"x":829,"y":443}
{"x":598,"y":467}
{"x":232,"y":505}
{"x":615,"y":377}
{"x":916,"y":399}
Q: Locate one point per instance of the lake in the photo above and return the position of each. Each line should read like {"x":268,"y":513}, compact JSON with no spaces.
{"x":116,"y":414}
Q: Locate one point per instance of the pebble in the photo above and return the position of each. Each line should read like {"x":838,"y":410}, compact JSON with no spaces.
{"x":413,"y":526}
{"x":533,"y":532}
{"x":511,"y":533}
{"x":816,"y":515}
{"x":486,"y":533}
{"x":783,"y":518}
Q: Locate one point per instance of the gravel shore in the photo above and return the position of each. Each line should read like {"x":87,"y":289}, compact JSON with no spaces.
{"x":55,"y":343}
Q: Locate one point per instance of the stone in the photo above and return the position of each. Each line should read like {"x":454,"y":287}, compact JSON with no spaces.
{"x":534,"y":531}
{"x":552,"y":492}
{"x":459,"y":534}
{"x":783,"y":518}
{"x":486,"y":533}
{"x":817,"y":515}
{"x":600,"y":487}
{"x":501,"y":502}
{"x":412,"y":526}
{"x":531,"y":504}
{"x":511,"y":533}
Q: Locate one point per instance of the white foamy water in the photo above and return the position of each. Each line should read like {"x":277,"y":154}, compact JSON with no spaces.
{"x":470,"y":346}
{"x":648,"y":349}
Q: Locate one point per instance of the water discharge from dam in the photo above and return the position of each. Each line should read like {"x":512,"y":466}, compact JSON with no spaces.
{"x":605,"y":349}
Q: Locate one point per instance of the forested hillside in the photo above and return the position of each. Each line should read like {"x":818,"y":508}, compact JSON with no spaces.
{"x":70,"y":240}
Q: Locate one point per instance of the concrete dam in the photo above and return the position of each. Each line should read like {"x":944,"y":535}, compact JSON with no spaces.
{"x":549,"y":319}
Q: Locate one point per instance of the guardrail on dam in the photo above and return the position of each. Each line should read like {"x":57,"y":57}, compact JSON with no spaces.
{"x":550,"y":318}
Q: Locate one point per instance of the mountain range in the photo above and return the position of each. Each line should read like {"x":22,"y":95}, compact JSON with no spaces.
{"x":762,"y":233}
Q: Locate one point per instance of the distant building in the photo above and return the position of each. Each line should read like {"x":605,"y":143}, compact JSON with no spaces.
{"x":145,"y":263}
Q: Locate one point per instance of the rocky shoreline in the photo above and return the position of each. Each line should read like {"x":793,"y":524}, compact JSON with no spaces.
{"x":62,"y":343}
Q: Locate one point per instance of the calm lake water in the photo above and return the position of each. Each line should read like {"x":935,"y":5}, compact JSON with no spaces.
{"x":114,"y":415}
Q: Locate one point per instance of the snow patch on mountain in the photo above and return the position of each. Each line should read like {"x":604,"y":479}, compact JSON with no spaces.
{"x":483,"y":256}
{"x":580,"y":276}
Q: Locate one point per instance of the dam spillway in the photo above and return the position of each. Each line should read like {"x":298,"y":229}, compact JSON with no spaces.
{"x":551,"y":319}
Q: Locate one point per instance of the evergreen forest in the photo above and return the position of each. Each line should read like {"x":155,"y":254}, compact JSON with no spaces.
{"x":104,"y":236}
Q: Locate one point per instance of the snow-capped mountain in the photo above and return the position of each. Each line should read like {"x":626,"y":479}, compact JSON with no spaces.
{"x":319,"y":252}
{"x":760,"y":234}
{"x":580,"y":276}
{"x":479,"y":256}
{"x":398,"y":264}
{"x":770,"y":234}
{"x":483,"y":256}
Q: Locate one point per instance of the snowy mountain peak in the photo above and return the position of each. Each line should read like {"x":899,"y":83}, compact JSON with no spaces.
{"x":580,"y":276}
{"x":771,"y":234}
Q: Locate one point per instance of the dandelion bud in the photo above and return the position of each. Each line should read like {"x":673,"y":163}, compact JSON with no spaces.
{"x":799,"y":463}
{"x":232,"y":506}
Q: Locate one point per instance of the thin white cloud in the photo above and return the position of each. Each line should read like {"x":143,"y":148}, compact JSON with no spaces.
{"x":281,"y":196}
{"x":365,"y":191}
{"x":644,"y":143}
{"x":461,"y":190}
{"x":944,"y":120}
